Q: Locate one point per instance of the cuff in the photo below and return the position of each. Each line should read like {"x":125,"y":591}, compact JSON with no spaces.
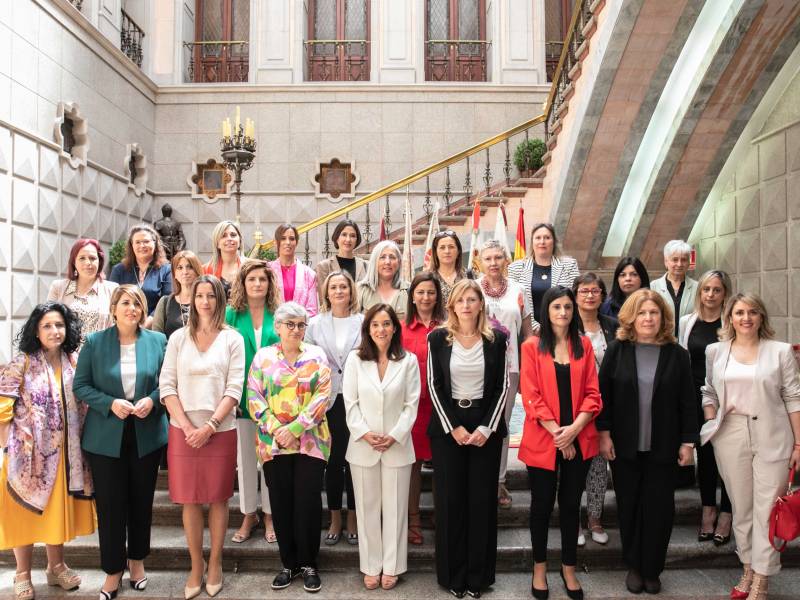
{"x":486,"y":431}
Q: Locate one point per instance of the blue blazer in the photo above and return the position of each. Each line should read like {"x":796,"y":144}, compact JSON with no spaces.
{"x":98,"y":383}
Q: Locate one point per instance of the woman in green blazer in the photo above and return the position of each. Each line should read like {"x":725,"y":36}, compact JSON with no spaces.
{"x":124,"y":433}
{"x":254,"y":298}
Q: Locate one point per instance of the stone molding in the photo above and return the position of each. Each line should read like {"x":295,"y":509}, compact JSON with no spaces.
{"x":139,"y":184}
{"x":80,"y":131}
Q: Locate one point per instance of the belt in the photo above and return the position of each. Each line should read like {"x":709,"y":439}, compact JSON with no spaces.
{"x":467,"y":403}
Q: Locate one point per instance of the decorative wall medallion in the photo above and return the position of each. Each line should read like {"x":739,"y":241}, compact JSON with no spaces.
{"x":336,"y":180}
{"x":210,"y":180}
{"x":134,"y":168}
{"x":71,"y":133}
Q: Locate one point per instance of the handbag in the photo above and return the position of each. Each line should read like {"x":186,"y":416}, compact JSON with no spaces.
{"x":784,"y":520}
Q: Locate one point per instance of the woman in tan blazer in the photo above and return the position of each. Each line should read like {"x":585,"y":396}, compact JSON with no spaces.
{"x":381,"y":391}
{"x":751,"y":405}
{"x":346,"y":238}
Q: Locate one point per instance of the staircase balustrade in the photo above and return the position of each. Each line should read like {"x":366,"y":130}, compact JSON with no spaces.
{"x":131,"y":39}
{"x":218,"y":61}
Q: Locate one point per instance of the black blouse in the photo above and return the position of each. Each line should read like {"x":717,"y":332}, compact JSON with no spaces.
{"x":564,"y":394}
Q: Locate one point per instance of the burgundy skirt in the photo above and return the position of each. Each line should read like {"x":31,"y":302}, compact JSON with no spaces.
{"x":201,"y":475}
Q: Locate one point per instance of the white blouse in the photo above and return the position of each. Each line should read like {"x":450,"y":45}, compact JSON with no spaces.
{"x":466,"y":371}
{"x":127,"y":368}
{"x":740,"y":386}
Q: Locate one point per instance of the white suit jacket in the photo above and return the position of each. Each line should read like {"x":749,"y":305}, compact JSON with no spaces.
{"x":387,"y":406}
{"x":321,"y":333}
{"x":687,"y":300}
{"x":777,"y":386}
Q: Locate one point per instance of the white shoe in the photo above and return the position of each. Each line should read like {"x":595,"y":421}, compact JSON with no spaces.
{"x":599,"y":537}
{"x":581,"y":540}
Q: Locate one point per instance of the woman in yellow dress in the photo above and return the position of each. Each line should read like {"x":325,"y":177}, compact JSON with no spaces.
{"x":45,"y":486}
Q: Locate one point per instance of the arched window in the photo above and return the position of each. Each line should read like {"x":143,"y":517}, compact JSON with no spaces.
{"x":337,"y":48}
{"x":455,"y":40}
{"x":222,"y":35}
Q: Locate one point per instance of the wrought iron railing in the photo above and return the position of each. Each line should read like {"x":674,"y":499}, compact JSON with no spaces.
{"x":337,"y":60}
{"x":477,"y":163}
{"x":456,"y":60}
{"x":218,"y":61}
{"x":76,"y":3}
{"x":131,"y":39}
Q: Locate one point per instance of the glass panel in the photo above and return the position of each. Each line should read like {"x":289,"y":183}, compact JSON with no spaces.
{"x":438,"y":19}
{"x":355,"y":26}
{"x":212,"y":20}
{"x":324,"y":26}
{"x":468,"y":26}
{"x":240,"y":18}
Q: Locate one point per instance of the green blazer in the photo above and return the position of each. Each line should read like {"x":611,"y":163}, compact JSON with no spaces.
{"x":242,"y":323}
{"x":98,"y":383}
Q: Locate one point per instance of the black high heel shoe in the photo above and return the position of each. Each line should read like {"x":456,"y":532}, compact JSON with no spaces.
{"x":572,"y":594}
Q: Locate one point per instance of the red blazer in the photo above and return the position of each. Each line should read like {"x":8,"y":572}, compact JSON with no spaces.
{"x":540,"y":400}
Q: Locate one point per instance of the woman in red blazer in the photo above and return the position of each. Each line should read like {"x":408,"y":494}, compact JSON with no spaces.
{"x":561,"y":396}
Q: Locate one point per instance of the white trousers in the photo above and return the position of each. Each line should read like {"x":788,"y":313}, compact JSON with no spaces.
{"x":511,"y":400}
{"x":248,"y":471}
{"x":382,"y":508}
{"x":753,"y":485}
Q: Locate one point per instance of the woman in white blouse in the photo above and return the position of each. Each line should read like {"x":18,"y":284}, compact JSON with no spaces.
{"x":337,"y":330}
{"x":85,"y":290}
{"x":201,"y":383}
{"x":751,"y":404}
{"x":381,"y":392}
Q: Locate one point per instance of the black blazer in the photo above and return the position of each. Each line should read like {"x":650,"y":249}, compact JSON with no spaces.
{"x":674,"y":418}
{"x":608,"y":325}
{"x":495,"y":384}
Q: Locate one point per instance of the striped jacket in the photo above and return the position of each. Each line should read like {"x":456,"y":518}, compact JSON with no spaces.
{"x":563,"y":271}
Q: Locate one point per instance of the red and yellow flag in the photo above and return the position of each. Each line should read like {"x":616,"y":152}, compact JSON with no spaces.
{"x":519,"y":243}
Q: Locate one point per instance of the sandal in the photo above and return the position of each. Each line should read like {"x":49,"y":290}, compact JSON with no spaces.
{"x":270,"y":536}
{"x":66,"y":579}
{"x":23,"y":588}
{"x":415,"y":529}
{"x":239,"y":537}
{"x":503,"y":497}
{"x":352,"y":538}
{"x":332,"y":538}
{"x":371,"y":582}
{"x":389,"y":581}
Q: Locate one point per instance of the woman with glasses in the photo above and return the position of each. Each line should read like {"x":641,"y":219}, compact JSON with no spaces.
{"x":543,"y":268}
{"x":296,"y":282}
{"x":226,"y":258}
{"x":383,"y":284}
{"x":696,"y":332}
{"x":590,"y":290}
{"x":289,"y":393}
{"x":446,"y":261}
{"x":629,"y":276}
{"x":145,"y":265}
{"x":172,"y":311}
{"x":346,"y":237}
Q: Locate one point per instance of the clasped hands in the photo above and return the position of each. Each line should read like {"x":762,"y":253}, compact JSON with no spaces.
{"x":380,"y":442}
{"x":564,"y":440}
{"x":123,"y":408}
{"x":465,"y":438}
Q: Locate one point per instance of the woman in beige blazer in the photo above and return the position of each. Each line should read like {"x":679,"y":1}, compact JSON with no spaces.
{"x":381,"y":392}
{"x":346,"y":237}
{"x":751,"y":405}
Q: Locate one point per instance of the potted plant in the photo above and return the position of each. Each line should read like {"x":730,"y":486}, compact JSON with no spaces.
{"x":528,"y":156}
{"x":116,"y":253}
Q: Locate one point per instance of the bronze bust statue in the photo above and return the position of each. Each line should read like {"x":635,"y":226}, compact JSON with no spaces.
{"x":171,"y":232}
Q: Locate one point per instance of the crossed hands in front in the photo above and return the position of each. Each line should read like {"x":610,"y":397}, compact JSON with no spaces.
{"x":380,"y":442}
{"x":465,"y":438}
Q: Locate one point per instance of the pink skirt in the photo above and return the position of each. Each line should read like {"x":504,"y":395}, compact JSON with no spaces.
{"x":201,"y":475}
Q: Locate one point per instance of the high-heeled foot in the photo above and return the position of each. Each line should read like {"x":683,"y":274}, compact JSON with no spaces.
{"x":104,"y":595}
{"x":540,"y":594}
{"x":572,"y":594}
{"x":371,"y":582}
{"x":137,"y":584}
{"x":212,"y":589}
{"x":190,"y":592}
{"x":66,"y":579}
{"x":23,"y":588}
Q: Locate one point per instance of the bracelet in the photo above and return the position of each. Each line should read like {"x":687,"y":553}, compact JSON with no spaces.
{"x":215,"y":422}
{"x":211,"y":424}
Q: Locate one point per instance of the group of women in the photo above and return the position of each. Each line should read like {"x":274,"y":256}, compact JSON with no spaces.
{"x":347,"y":378}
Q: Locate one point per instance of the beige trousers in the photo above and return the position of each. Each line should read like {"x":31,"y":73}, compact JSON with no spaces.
{"x":753,"y":485}
{"x":248,"y":470}
{"x":382,"y":508}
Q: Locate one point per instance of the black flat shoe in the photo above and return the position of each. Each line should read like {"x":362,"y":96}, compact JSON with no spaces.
{"x":721,"y":540}
{"x":540,"y":594}
{"x":634,"y":582}
{"x":652,"y":586}
{"x":475,"y":594}
{"x":571,"y":594}
{"x":456,"y":593}
{"x":705,"y":536}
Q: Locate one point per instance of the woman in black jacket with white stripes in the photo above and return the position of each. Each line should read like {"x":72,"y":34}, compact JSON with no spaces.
{"x":466,"y":432}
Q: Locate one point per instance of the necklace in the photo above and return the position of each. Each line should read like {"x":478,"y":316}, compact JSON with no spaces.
{"x":498,"y":292}
{"x":468,"y":335}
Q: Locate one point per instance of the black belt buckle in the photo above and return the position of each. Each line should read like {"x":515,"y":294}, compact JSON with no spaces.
{"x":465,"y":403}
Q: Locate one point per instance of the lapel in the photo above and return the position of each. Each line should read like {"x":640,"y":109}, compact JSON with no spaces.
{"x":245,"y":323}
{"x":392,"y":370}
{"x":661,"y":366}
{"x":720,"y":364}
{"x":329,"y":336}
{"x":555,"y":271}
{"x":113,"y":356}
{"x":143,"y":358}
{"x":488,"y":366}
{"x":299,"y":283}
{"x":575,"y":379}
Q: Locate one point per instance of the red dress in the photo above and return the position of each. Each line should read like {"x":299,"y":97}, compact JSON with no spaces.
{"x":415,"y":340}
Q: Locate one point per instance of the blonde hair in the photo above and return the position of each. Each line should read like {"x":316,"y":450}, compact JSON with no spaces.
{"x":703,"y":281}
{"x":218,"y":318}
{"x":238,"y":299}
{"x":452,"y":324}
{"x":133,"y":292}
{"x":727,"y":332}
{"x":194,"y":263}
{"x":494,"y":245}
{"x":325,"y":301}
{"x":216,"y":236}
{"x":631,"y":307}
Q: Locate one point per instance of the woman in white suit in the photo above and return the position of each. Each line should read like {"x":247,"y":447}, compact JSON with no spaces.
{"x":751,"y":404}
{"x":337,"y":330}
{"x":381,"y":392}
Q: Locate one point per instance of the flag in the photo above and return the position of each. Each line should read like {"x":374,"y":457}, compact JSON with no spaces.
{"x":433,"y":229}
{"x":382,"y":235}
{"x":519,"y":243}
{"x":501,"y":227}
{"x":408,"y":250}
{"x":476,"y":224}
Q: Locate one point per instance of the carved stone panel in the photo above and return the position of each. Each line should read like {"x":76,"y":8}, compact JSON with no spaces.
{"x":336,"y":180}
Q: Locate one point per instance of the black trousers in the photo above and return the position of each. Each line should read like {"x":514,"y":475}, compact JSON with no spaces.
{"x":465,"y":482}
{"x":295,"y":493}
{"x":708,"y":476}
{"x":569,"y":479}
{"x":646,"y":508}
{"x":337,"y":473}
{"x":124,"y":489}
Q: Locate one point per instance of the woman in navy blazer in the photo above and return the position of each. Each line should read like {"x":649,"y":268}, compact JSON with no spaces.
{"x":124,"y":433}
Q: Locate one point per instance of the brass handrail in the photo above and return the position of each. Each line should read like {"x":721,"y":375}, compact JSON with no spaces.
{"x":458,"y":42}
{"x":215,"y":42}
{"x":336,"y":41}
{"x":450,"y":160}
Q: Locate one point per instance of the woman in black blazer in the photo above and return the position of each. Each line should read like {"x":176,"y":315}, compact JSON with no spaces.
{"x":468,"y":382}
{"x":648,"y":423}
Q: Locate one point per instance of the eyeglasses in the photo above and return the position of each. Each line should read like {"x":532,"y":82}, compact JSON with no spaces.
{"x":445,"y":233}
{"x":290,"y":325}
{"x":590,"y":292}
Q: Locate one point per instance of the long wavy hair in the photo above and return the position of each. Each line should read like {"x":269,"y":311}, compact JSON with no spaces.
{"x":727,"y":332}
{"x":617,"y":295}
{"x":238,"y":298}
{"x":159,"y":256}
{"x":629,"y":310}
{"x":218,"y":318}
{"x":411,"y":307}
{"x":452,"y":323}
{"x":368,"y":350}
{"x":28,"y":340}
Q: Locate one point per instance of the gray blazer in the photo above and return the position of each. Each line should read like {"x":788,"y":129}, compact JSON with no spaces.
{"x":777,"y":386}
{"x":321,"y":333}
{"x":687,"y":300}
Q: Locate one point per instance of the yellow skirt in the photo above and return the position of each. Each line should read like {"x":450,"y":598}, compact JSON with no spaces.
{"x":64,"y":518}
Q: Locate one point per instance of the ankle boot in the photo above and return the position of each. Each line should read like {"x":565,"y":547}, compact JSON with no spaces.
{"x":759,"y":587}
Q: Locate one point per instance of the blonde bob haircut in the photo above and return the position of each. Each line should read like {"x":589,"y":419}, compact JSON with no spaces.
{"x":631,"y":308}
{"x":218,"y":318}
{"x":727,"y":332}
{"x":727,"y":287}
{"x":216,"y":236}
{"x":239,"y":292}
{"x":326,"y":302}
{"x":452,"y":324}
{"x":194,"y":263}
{"x":134,"y":293}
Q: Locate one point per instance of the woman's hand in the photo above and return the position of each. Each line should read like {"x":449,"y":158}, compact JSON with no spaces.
{"x":121,"y":408}
{"x":143,"y":407}
{"x":564,"y":436}
{"x":686,"y":455}
{"x":709,"y":413}
{"x":284,"y":437}
{"x":568,"y":452}
{"x":387,"y":443}
{"x":460,"y":435}
{"x":606,"y":446}
{"x":373,"y":439}
{"x":477,"y":439}
{"x":794,"y":461}
{"x":200,"y":436}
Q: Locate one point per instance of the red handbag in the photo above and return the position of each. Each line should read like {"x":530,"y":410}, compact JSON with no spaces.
{"x":784,"y":520}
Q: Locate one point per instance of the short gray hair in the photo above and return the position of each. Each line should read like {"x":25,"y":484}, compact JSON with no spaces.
{"x":290,"y":310}
{"x":495,"y":245}
{"x":676,"y":247}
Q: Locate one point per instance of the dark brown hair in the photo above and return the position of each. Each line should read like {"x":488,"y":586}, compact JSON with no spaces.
{"x":238,"y":298}
{"x":435,"y":246}
{"x":368,"y":350}
{"x":159,"y":256}
{"x":283,"y":228}
{"x":340,"y":227}
{"x":438,"y":308}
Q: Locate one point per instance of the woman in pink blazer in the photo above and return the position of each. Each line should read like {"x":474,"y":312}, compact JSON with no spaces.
{"x":296,"y":281}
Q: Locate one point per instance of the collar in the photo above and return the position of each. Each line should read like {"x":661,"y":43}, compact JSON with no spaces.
{"x":72,"y":287}
{"x":415,"y":324}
